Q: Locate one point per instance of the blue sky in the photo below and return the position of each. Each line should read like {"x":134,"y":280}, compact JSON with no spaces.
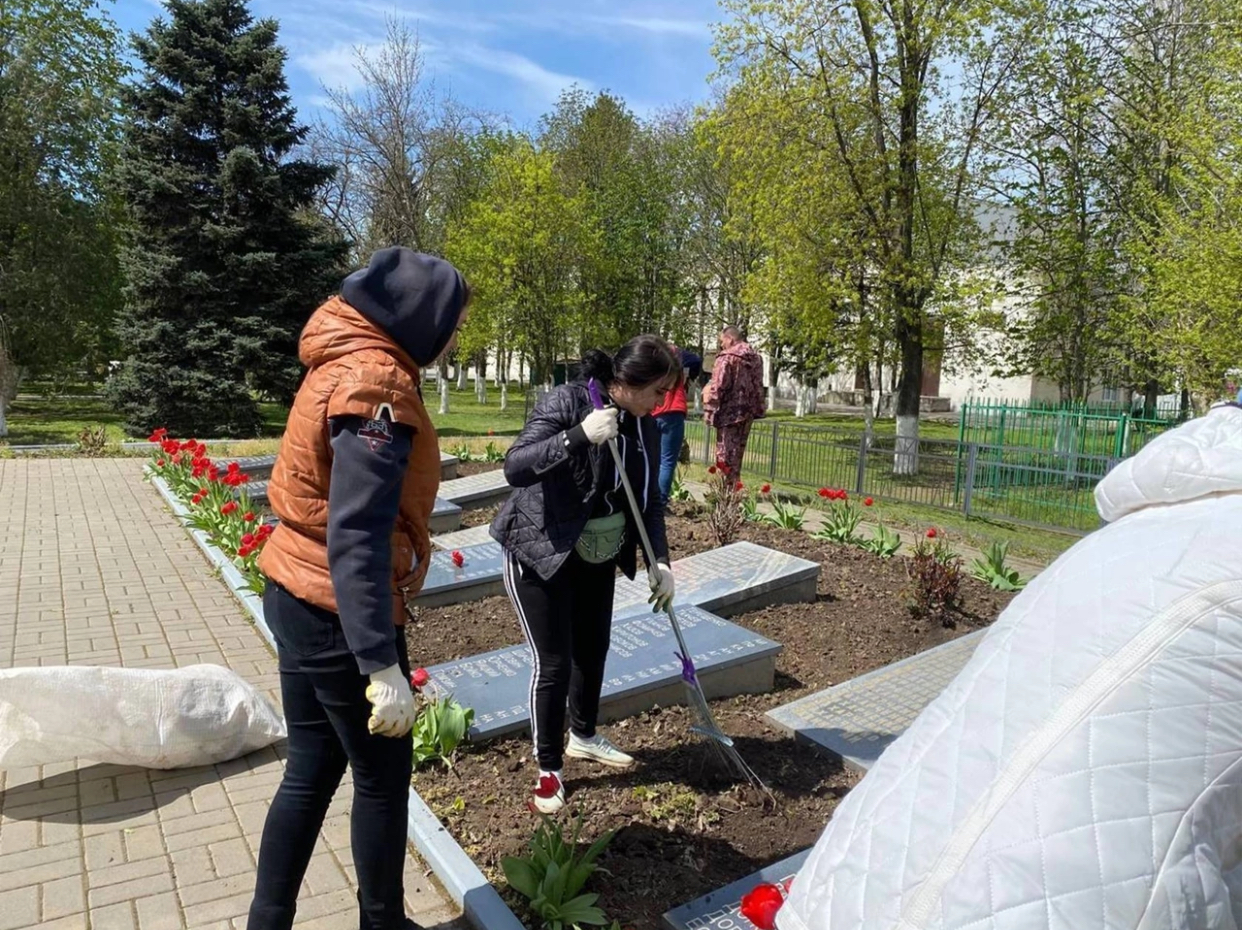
{"x":505,"y":57}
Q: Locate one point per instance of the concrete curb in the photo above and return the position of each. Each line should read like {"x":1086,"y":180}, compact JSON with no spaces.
{"x":456,"y":871}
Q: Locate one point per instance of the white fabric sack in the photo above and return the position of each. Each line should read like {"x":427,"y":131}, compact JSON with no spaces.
{"x":1084,"y":770}
{"x":153,"y":718}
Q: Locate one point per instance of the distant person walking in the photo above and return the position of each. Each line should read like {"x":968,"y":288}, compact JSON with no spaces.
{"x":670,"y":418}
{"x":733,"y":399}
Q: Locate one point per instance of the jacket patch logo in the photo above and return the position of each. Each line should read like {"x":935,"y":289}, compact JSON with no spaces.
{"x":377,"y":433}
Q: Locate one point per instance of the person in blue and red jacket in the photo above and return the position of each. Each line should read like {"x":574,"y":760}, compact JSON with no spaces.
{"x":670,"y":418}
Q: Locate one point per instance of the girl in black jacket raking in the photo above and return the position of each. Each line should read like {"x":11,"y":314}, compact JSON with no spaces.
{"x":567,"y":528}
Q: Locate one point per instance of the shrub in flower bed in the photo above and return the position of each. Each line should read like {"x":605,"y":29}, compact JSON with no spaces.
{"x":211,"y":494}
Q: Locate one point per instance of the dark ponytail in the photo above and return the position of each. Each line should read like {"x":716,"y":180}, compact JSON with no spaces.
{"x":642,"y":361}
{"x":597,"y":365}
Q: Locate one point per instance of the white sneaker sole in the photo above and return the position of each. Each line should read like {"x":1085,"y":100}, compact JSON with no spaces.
{"x":588,"y":756}
{"x":548,"y":806}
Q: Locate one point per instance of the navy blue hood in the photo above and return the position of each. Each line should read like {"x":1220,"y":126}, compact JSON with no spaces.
{"x":416,"y":299}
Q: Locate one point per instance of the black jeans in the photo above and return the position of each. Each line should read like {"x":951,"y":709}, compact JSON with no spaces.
{"x":326,"y":711}
{"x":568,"y":623}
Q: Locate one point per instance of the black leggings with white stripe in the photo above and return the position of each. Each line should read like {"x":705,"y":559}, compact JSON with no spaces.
{"x":568,"y":623}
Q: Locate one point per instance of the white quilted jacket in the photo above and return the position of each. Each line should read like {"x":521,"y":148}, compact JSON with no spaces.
{"x":1085,"y":768}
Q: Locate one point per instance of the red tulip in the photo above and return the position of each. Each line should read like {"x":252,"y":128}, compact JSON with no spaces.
{"x":711,"y":470}
{"x":549,"y":785}
{"x":760,"y":905}
{"x":248,"y":539}
{"x":766,"y":489}
{"x":265,"y":531}
{"x":868,"y":502}
{"x":739,"y":487}
{"x":228,"y":508}
{"x":234,"y":468}
{"x":419,"y":677}
{"x":159,"y":463}
{"x":248,"y":516}
{"x":244,"y":551}
{"x":931,"y":534}
{"x":842,"y":495}
{"x":458,"y":559}
{"x":825,"y":494}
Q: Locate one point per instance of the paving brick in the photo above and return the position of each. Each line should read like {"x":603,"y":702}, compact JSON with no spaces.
{"x":19,"y":907}
{"x":232,"y":857}
{"x":18,"y":835}
{"x":142,"y":843}
{"x":223,"y":909}
{"x":126,"y":872}
{"x":71,"y":922}
{"x":204,"y":837}
{"x":159,"y":912}
{"x":219,"y":888}
{"x":324,"y":875}
{"x":210,"y":798}
{"x":37,"y":874}
{"x":63,"y":897}
{"x":113,"y":917}
{"x":104,"y":850}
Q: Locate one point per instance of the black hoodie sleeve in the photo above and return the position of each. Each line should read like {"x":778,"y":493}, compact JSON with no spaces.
{"x":364,"y":495}
{"x":550,"y":437}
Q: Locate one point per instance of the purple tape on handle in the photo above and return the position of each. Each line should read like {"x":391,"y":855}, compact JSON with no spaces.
{"x":688,"y":674}
{"x":596,"y":398}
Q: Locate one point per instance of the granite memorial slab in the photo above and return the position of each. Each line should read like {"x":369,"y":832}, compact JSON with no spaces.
{"x":721,"y":909}
{"x":858,"y":719}
{"x":256,"y":466}
{"x":462,"y":539}
{"x":642,"y":670}
{"x":478,"y":576}
{"x":727,"y":581}
{"x":481,"y":490}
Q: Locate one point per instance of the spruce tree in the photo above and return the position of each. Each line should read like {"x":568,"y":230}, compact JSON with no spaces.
{"x":225,"y":257}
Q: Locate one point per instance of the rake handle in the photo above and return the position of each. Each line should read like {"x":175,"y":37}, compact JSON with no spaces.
{"x":598,"y":401}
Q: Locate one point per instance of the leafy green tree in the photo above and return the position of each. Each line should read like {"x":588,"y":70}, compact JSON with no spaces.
{"x":60,"y":70}
{"x":863,"y":81}
{"x":225,"y":259}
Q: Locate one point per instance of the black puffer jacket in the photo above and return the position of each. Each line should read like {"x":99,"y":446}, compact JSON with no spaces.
{"x":556,"y":471}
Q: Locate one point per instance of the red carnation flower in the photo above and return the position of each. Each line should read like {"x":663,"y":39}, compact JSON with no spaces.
{"x":419,"y":677}
{"x":549,"y":785}
{"x":760,"y":905}
{"x":931,"y":534}
{"x":458,"y":559}
{"x":228,"y":508}
{"x":868,"y":502}
{"x":766,"y":489}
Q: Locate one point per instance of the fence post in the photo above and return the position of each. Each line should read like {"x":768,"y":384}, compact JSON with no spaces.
{"x":776,"y":437}
{"x":861,"y":477}
{"x":972,"y":460}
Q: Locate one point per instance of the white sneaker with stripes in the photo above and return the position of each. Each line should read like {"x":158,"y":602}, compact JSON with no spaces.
{"x":597,"y":749}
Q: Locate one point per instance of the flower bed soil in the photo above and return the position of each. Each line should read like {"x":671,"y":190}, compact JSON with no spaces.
{"x":682,"y":830}
{"x":465,"y":469}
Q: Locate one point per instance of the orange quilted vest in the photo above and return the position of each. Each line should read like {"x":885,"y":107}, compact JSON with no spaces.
{"x":354,"y":369}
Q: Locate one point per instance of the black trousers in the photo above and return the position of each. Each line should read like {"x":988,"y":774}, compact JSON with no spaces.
{"x":568,"y":623}
{"x":326,"y":711}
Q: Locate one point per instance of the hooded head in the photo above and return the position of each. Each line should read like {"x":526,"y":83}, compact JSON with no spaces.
{"x":416,"y":299}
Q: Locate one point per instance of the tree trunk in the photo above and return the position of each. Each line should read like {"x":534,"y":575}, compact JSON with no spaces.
{"x":444,"y":396}
{"x":4,"y":422}
{"x":480,"y":387}
{"x":1183,"y":412}
{"x":1151,"y":397}
{"x":504,"y":395}
{"x":869,"y":405}
{"x":461,"y":376}
{"x":909,"y":390}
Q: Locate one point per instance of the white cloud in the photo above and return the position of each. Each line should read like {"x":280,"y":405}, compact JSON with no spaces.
{"x":657,"y":25}
{"x":333,"y":67}
{"x":543,"y":83}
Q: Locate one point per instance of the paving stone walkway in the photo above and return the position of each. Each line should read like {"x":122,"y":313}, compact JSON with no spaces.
{"x":95,"y":571}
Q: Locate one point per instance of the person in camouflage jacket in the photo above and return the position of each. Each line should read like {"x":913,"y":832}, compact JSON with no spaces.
{"x":734,"y":398}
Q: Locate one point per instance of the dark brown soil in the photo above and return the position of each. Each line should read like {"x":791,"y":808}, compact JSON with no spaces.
{"x":465,"y":469}
{"x":683,"y":830}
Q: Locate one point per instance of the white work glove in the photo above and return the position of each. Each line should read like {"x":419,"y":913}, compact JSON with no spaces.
{"x":600,"y":425}
{"x":392,"y":703}
{"x":661,"y":580}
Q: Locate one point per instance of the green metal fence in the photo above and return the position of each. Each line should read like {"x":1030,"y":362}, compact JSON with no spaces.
{"x":1060,"y":429}
{"x":1025,"y":485}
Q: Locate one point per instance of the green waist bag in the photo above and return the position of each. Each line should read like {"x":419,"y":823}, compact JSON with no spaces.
{"x":601,"y":539}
